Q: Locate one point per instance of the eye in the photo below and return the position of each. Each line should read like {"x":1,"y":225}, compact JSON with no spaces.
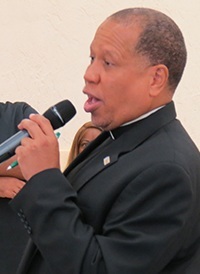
{"x":91,"y":59}
{"x":108,"y":63}
{"x":84,"y":144}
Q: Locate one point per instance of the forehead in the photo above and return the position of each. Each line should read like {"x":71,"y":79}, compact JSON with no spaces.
{"x":116,"y":37}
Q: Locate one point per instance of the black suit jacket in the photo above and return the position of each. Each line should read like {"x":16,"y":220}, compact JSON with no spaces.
{"x":128,"y":205}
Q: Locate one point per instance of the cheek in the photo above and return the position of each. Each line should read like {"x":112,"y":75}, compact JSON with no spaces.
{"x":114,"y":91}
{"x":119,"y":91}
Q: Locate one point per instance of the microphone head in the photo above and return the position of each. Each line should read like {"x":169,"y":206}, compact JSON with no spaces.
{"x":60,"y":113}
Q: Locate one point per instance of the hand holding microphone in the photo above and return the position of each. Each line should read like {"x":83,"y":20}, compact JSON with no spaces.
{"x":41,"y":150}
{"x":15,"y":163}
{"x":58,"y":116}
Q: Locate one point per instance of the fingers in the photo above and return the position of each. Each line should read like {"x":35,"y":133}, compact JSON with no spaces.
{"x":10,"y":187}
{"x":36,"y":125}
{"x":18,"y":187}
{"x":39,"y":152}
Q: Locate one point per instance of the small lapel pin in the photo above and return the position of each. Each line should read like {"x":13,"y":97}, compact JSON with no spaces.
{"x":106,"y":160}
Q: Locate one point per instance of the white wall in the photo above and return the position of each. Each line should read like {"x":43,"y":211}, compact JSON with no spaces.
{"x":44,"y":51}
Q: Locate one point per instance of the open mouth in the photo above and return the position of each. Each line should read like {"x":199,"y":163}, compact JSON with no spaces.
{"x":91,"y":104}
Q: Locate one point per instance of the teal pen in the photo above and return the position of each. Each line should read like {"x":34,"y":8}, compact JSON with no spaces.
{"x":15,"y":163}
{"x":11,"y":166}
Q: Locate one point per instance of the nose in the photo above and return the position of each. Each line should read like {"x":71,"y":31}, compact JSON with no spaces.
{"x":92,"y":74}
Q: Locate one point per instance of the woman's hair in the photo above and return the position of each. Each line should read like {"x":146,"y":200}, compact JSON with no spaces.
{"x":74,"y":151}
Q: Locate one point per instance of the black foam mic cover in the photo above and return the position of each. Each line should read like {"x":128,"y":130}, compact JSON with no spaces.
{"x":60,"y":113}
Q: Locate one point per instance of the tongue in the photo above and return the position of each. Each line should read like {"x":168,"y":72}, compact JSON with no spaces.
{"x":91,"y":104}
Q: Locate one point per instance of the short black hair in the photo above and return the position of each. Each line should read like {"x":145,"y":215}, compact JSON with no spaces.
{"x":160,"y":40}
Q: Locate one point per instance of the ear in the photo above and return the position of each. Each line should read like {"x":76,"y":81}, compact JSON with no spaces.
{"x":160,"y":74}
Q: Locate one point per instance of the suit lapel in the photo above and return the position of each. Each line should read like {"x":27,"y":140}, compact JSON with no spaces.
{"x":100,"y":155}
{"x":86,"y":152}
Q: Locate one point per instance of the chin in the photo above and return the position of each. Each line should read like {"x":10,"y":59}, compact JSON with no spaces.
{"x":103,"y":125}
{"x":99,"y":123}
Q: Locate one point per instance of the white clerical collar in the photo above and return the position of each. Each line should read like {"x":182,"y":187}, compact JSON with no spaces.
{"x":137,"y":119}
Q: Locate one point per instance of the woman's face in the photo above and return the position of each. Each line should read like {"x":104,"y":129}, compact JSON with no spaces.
{"x":89,"y":135}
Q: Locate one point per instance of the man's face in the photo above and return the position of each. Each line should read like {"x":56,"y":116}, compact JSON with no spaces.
{"x":117,"y":79}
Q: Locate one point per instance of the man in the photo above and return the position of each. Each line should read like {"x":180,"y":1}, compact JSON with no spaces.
{"x":130,"y":202}
{"x":12,"y":237}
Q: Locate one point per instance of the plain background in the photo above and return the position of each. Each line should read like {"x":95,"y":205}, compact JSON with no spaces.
{"x":44,"y":51}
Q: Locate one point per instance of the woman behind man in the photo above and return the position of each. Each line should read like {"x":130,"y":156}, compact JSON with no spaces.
{"x":85,"y":135}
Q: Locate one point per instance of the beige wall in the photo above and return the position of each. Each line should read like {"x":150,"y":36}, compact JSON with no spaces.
{"x":44,"y":51}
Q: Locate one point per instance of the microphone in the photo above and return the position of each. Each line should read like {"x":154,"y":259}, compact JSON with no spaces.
{"x":58,"y":115}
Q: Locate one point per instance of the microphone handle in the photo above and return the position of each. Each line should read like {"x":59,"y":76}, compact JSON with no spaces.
{"x":8,"y":147}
